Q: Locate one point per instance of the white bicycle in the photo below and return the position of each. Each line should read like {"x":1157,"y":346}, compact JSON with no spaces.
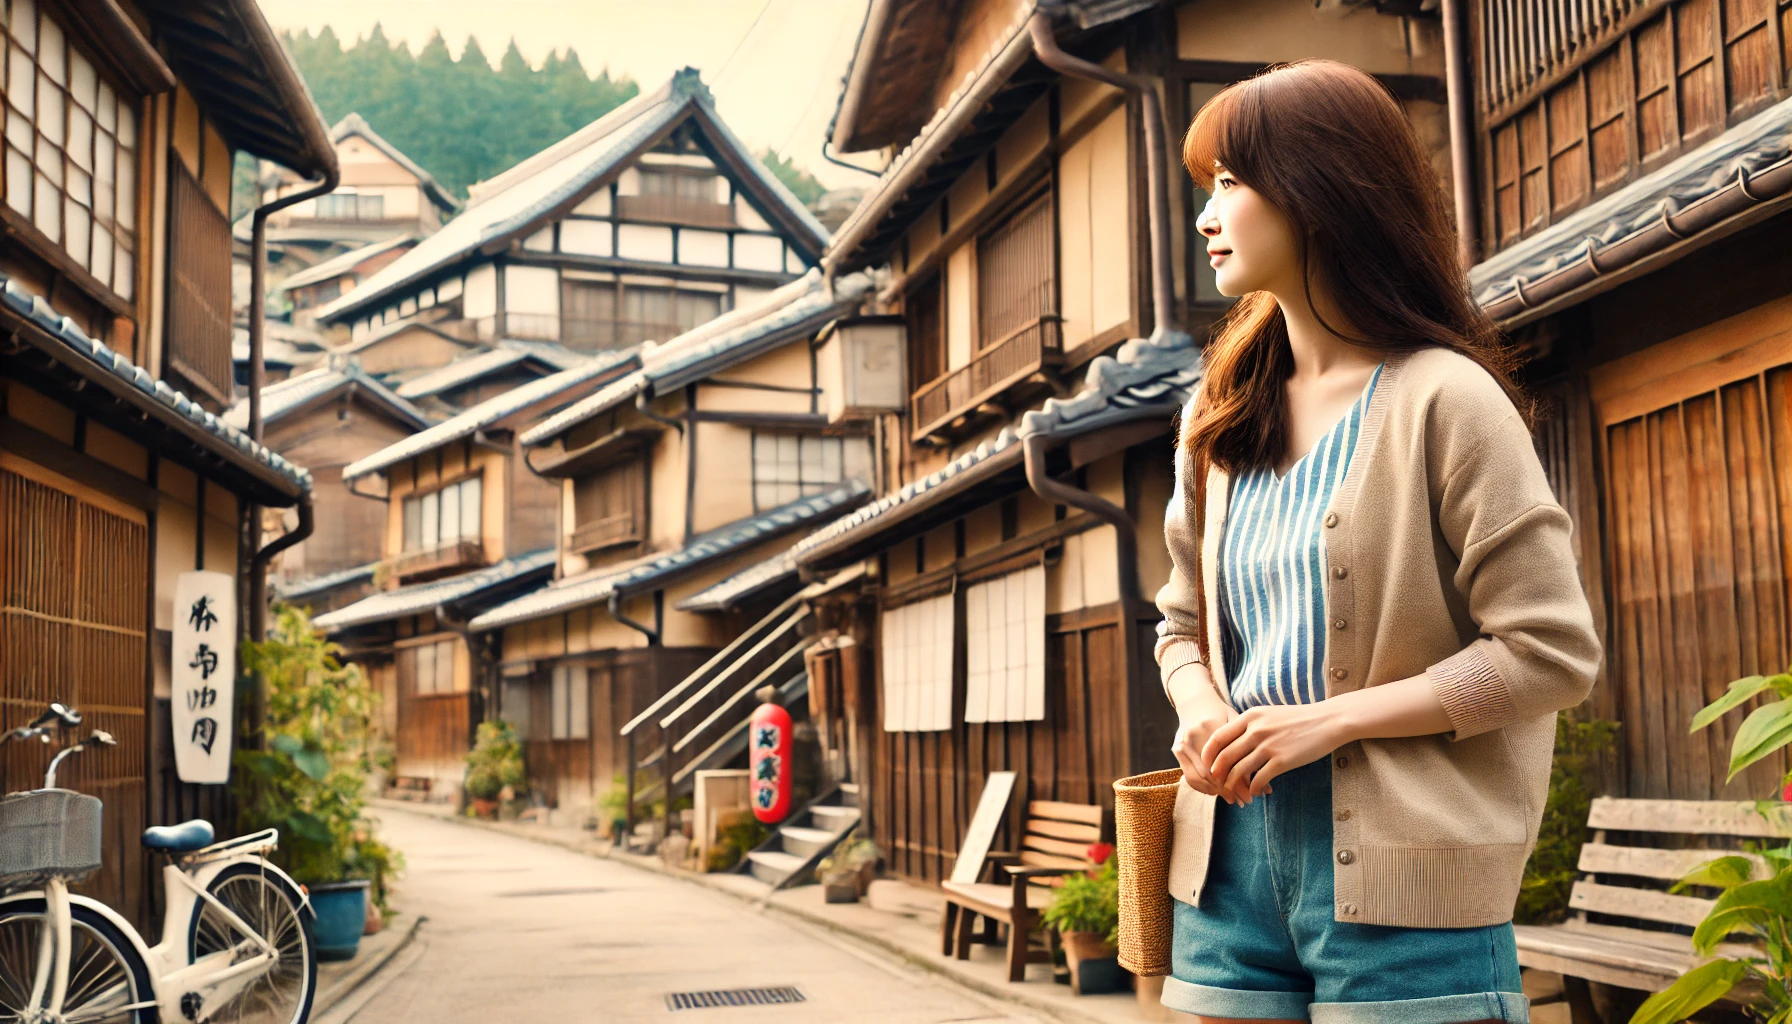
{"x":236,"y":935}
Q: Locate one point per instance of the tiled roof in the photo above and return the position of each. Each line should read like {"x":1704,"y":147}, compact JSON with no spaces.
{"x":798,"y":308}
{"x":515,"y":199}
{"x":227,"y":439}
{"x":342,"y":263}
{"x":1144,"y":377}
{"x":504,"y":354}
{"x":588,"y":588}
{"x":297,"y":589}
{"x":1516,"y":277}
{"x":725,"y":594}
{"x":423,"y":597}
{"x":490,"y":411}
{"x":297,"y":392}
{"x":354,"y":124}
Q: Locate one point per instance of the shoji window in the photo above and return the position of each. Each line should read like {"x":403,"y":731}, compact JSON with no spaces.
{"x":917,"y":665}
{"x":444,"y":516}
{"x":791,"y":466}
{"x":428,"y":669}
{"x":1004,"y":643}
{"x":71,"y":148}
{"x":569,"y":703}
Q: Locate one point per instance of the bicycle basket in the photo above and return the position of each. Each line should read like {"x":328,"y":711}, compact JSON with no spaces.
{"x":48,"y":833}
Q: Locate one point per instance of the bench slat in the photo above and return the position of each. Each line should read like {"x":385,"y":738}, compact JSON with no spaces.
{"x":1086,"y":813}
{"x":1058,"y":846}
{"x":1646,"y":904}
{"x":1691,"y":817}
{"x":1073,"y":831}
{"x":1668,"y":865}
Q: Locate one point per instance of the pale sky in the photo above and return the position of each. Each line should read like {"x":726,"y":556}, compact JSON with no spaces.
{"x":778,"y":91}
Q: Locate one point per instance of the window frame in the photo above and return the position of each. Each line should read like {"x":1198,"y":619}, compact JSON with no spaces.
{"x":442,"y":657}
{"x":416,"y":500}
{"x":805,"y":488}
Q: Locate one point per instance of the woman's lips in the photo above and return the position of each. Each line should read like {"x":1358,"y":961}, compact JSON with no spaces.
{"x":1218,"y":256}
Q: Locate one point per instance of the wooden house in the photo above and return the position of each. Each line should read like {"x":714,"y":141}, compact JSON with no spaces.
{"x":336,"y":276}
{"x":384,"y":194}
{"x":324,"y":419}
{"x":463,"y":524}
{"x":116,"y":471}
{"x":1626,"y":194}
{"x":641,"y":225}
{"x":473,"y":378}
{"x":713,"y":455}
{"x":1006,"y":618}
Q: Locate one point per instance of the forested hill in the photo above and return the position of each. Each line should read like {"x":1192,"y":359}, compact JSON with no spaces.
{"x":459,"y":119}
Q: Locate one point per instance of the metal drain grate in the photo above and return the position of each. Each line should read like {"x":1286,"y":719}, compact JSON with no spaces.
{"x":733,"y":997}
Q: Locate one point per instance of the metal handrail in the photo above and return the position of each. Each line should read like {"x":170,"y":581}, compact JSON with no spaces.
{"x":783,"y":629}
{"x":720,"y":659}
{"x":739,"y":695}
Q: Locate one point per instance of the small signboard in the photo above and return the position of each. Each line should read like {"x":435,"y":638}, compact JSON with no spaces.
{"x":204,"y":675}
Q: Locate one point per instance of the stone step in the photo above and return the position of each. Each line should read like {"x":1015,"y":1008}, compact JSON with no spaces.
{"x":805,"y":842}
{"x":772,"y":867}
{"x":849,"y":794}
{"x":834,"y":819}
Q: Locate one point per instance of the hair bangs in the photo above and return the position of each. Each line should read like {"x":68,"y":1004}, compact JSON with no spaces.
{"x":1214,"y":138}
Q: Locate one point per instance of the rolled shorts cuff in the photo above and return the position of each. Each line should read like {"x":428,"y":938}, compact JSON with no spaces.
{"x":1510,"y":1007}
{"x":1233,"y":1002}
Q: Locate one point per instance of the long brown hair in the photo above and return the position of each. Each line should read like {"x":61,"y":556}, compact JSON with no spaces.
{"x":1330,"y":148}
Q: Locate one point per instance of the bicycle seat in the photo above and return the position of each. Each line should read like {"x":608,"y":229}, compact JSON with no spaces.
{"x":182,"y":838}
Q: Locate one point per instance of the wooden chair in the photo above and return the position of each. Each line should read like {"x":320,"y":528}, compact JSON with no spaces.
{"x":1052,"y":845}
{"x":1612,"y":949}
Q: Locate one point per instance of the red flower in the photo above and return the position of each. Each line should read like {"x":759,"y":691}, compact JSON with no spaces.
{"x":1100,"y":852}
{"x":1786,"y":793}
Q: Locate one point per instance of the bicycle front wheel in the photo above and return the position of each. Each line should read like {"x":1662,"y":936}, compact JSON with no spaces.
{"x":106,"y":975}
{"x":264,"y":901}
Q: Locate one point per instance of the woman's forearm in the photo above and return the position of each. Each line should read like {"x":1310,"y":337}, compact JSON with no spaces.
{"x":1409,"y":707}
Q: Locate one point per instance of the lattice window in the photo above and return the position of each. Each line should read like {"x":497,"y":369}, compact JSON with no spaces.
{"x":444,"y":516}
{"x":199,"y":301}
{"x":1017,"y":276}
{"x":71,"y":148}
{"x":791,"y":466}
{"x":428,"y":669}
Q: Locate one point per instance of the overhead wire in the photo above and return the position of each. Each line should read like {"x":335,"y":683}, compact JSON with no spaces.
{"x":741,"y":42}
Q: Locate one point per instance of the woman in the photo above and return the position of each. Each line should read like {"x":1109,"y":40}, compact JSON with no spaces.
{"x":1374,"y":613}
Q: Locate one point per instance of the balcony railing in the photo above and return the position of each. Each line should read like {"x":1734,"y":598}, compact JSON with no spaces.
{"x":937,"y":405}
{"x":584,"y":335}
{"x":676,"y":210}
{"x":440,"y":560}
{"x":606,"y":532}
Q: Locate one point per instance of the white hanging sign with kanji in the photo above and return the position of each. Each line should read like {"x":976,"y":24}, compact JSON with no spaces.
{"x":204,"y":675}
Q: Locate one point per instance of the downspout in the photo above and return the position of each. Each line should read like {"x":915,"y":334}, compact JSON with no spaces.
{"x":1462,"y":128}
{"x":1126,"y":534}
{"x":1163,"y":292}
{"x":258,"y":599}
{"x":652,"y":635}
{"x":258,"y":307}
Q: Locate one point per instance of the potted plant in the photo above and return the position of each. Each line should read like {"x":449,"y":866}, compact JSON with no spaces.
{"x":1086,"y":913}
{"x":846,"y":872}
{"x":309,"y":776}
{"x":493,"y":765}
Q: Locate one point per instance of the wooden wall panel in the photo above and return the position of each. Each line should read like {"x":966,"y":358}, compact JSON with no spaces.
{"x":1697,"y":520}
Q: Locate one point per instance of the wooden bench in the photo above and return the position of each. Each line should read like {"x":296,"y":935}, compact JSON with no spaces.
{"x":1053,"y":844}
{"x":1624,"y":886}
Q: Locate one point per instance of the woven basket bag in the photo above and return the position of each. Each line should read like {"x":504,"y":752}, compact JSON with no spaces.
{"x":1144,"y":810}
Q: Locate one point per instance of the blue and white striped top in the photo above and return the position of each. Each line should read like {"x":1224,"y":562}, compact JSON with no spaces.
{"x":1272,"y":570}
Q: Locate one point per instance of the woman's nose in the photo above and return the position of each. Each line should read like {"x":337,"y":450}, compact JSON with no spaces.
{"x":1208,"y":223}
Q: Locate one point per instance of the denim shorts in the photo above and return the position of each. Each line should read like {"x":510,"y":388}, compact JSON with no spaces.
{"x":1262,"y":942}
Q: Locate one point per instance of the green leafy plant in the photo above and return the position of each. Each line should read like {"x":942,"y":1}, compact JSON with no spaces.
{"x":849,"y":856}
{"x":1554,"y":865}
{"x":1759,"y":908}
{"x":495,"y":761}
{"x":733,"y":841}
{"x":309,"y":778}
{"x":1089,"y":901}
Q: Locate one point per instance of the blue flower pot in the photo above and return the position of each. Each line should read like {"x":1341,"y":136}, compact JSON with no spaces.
{"x":341,"y":909}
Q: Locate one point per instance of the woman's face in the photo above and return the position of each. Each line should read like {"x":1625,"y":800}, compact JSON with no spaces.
{"x":1250,"y":244}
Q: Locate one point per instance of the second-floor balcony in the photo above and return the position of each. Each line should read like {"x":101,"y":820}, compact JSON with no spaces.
{"x":1000,"y":375}
{"x":674,"y":209}
{"x":573,"y":332}
{"x":440,"y":560}
{"x":609,"y":531}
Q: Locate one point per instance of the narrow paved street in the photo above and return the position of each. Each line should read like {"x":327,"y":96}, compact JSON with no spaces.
{"x":520,"y":931}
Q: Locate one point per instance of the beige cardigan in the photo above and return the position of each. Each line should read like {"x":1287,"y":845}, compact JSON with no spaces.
{"x":1446,"y":556}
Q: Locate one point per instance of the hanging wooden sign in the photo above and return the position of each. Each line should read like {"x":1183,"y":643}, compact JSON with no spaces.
{"x":204,"y":675}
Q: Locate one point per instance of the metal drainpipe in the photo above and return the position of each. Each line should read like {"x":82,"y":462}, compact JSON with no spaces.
{"x":258,"y":307}
{"x":258,"y":598}
{"x":1163,"y":292}
{"x":1126,"y":542}
{"x":1462,"y":128}
{"x":652,"y":635}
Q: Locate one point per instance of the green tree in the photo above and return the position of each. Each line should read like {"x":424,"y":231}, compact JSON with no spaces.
{"x":799,"y":181}
{"x":462,"y":120}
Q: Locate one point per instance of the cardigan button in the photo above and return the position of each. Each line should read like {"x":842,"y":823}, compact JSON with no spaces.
{"x":1340,"y":673}
{"x":1344,"y":815}
{"x":1348,"y":908}
{"x":1337,"y":623}
{"x":1345,"y":857}
{"x":1340,"y":572}
{"x":1331,"y":519}
{"x":1342,"y":761}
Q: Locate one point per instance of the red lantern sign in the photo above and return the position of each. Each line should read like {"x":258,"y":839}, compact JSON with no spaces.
{"x":768,"y":765}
